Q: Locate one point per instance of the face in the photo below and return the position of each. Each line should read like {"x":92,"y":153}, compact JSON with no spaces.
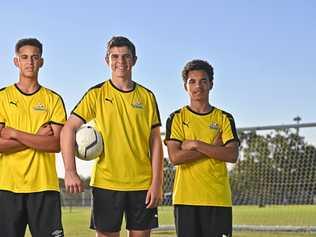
{"x":121,"y":61}
{"x":198,"y":85}
{"x":29,"y":61}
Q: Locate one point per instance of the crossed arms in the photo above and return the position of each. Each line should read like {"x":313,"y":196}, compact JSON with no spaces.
{"x":191,"y":150}
{"x":46,"y":139}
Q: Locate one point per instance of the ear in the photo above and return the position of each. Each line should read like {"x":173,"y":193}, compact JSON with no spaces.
{"x":211,"y":85}
{"x":185,"y":86}
{"x":135,"y":59}
{"x":16,"y":61}
{"x":107,"y":60}
{"x":41,"y":63}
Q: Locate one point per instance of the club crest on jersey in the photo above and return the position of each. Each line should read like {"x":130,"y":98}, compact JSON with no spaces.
{"x":214,"y":126}
{"x":138,"y":105}
{"x":39,"y":107}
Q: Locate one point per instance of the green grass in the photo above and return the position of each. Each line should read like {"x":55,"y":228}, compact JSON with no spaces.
{"x":76,"y":221}
{"x":303,"y":215}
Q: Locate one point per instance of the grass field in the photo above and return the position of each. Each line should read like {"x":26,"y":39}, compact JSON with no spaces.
{"x":76,"y":221}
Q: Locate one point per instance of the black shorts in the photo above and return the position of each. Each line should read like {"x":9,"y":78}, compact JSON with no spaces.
{"x":203,"y":221}
{"x":41,"y":211}
{"x":108,"y":207}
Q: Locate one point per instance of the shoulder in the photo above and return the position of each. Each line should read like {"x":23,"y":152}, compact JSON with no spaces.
{"x":53,"y":96}
{"x":2,"y":90}
{"x":223,"y":113}
{"x":98,"y":86}
{"x":7,"y":89}
{"x":52,"y":92}
{"x":94,"y":90}
{"x":174,"y":114}
{"x":144,"y":89}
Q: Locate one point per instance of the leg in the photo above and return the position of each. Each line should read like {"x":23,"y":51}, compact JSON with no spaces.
{"x":187,"y":221}
{"x":139,"y":219}
{"x":215,"y":221}
{"x":13,"y":218}
{"x":107,"y":212}
{"x":139,"y":233}
{"x":44,"y":214}
{"x":107,"y":234}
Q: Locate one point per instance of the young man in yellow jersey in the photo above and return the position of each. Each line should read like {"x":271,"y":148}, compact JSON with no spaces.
{"x":127,"y":178}
{"x":31,"y":118}
{"x":201,"y":139}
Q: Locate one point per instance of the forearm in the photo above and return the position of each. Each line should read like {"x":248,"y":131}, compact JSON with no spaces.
{"x":67,"y":143}
{"x":157,"y":166}
{"x":156,"y":153}
{"x":39,"y":142}
{"x":184,"y":156}
{"x":11,"y":146}
{"x":218,"y":152}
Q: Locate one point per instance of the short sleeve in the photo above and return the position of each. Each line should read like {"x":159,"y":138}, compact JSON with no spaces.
{"x":59,"y":115}
{"x":174,"y":129}
{"x":2,"y":107}
{"x":85,"y":109}
{"x":156,"y":115}
{"x":229,"y":132}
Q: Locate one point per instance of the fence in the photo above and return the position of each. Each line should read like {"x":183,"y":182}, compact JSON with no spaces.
{"x":276,"y":167}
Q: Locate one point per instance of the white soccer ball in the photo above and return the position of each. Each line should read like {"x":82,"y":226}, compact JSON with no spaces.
{"x":89,"y":143}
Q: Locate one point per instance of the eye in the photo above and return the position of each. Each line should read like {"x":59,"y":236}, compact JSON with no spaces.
{"x":114,"y":56}
{"x":36,"y":57}
{"x":191,"y":81}
{"x":128,"y":56}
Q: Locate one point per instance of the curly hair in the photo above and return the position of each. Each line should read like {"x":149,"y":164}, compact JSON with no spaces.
{"x":197,"y":64}
{"x":120,"y":41}
{"x":29,"y":41}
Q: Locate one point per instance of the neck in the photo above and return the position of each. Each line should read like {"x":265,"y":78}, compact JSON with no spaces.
{"x":123,"y":83}
{"x":28,"y":86}
{"x":200,"y":107}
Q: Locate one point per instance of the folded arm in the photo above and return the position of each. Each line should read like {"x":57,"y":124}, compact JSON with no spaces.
{"x":46,"y":139}
{"x":191,"y":150}
{"x":10,"y":145}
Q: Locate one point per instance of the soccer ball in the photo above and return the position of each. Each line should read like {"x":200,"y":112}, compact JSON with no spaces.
{"x":89,"y":143}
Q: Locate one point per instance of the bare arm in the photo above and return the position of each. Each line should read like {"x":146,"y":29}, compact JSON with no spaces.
{"x":191,"y":150}
{"x":227,"y":153}
{"x":154,"y":193}
{"x":47,"y":141}
{"x":73,"y":182}
{"x":10,"y":145}
{"x":179,"y":156}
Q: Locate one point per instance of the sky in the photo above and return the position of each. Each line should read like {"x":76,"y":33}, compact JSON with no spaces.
{"x":263,"y":52}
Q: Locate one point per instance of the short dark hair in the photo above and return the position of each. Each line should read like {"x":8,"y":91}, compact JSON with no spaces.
{"x":29,"y":41}
{"x":120,"y":41}
{"x":197,"y":64}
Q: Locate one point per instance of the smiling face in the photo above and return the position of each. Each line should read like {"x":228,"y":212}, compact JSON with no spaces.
{"x":198,"y":85}
{"x":28,"y":59}
{"x":121,"y":61}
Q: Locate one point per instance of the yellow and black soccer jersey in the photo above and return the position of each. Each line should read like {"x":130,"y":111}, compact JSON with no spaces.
{"x":29,"y":170}
{"x":125,"y":120}
{"x":203,"y":182}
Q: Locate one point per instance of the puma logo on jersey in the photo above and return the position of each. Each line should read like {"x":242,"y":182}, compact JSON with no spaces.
{"x":13,"y":103}
{"x":185,"y":124}
{"x":109,"y":100}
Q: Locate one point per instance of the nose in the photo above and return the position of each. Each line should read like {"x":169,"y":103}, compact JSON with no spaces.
{"x":198,"y":84}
